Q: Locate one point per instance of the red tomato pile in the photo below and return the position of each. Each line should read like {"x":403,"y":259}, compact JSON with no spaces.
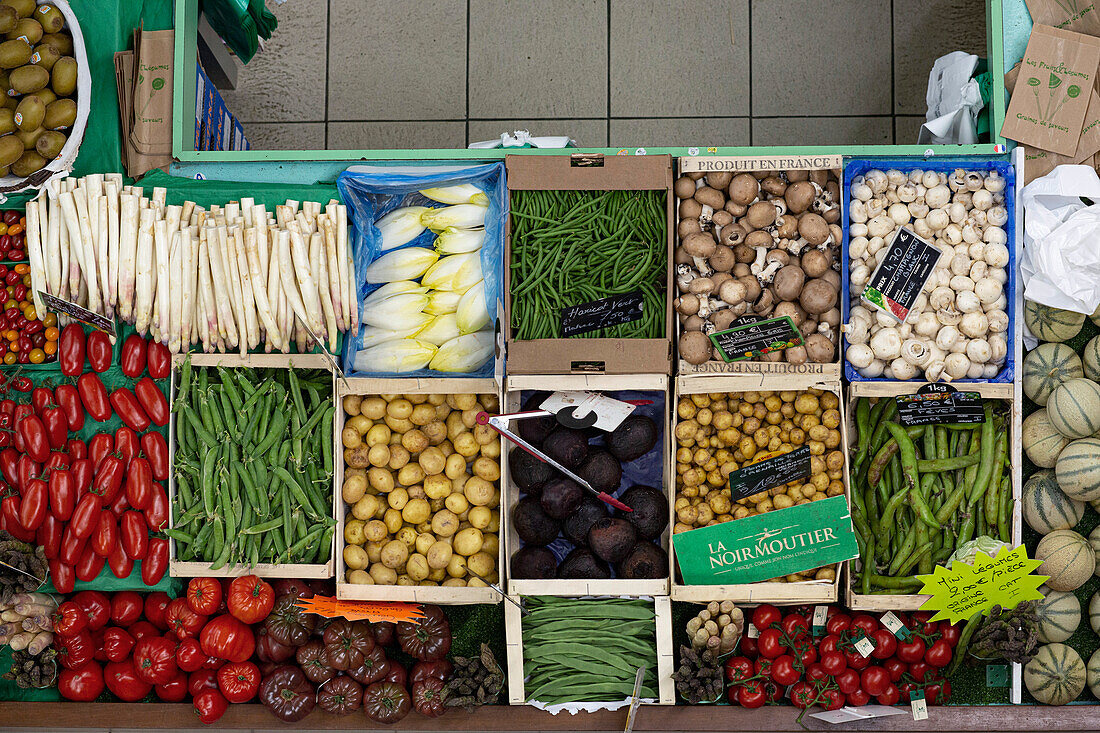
{"x":88,"y":504}
{"x":828,"y":670}
{"x":198,"y":645}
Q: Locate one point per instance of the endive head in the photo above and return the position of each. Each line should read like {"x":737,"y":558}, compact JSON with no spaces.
{"x":399,"y":355}
{"x":457,"y":273}
{"x":400,"y":226}
{"x":461,"y":193}
{"x":460,"y":216}
{"x":401,"y":264}
{"x":442,"y":301}
{"x":371,"y":336}
{"x":440,"y":330}
{"x":463,"y":354}
{"x":398,"y":287}
{"x":472,"y":315}
{"x":398,"y":312}
{"x":452,"y":241}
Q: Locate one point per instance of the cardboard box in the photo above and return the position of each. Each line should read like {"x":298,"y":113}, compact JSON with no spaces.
{"x":815,"y":591}
{"x":657,"y":385}
{"x":181,"y":569}
{"x":411,"y":593}
{"x":666,"y":648}
{"x":751,"y":373}
{"x":589,"y":172}
{"x":989,"y":390}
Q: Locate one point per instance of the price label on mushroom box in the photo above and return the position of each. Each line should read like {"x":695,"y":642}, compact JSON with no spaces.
{"x":751,"y":339}
{"x":900,"y":277}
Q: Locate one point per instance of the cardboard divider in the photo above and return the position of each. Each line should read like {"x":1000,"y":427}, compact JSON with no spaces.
{"x":515,"y":385}
{"x":780,"y":593}
{"x":181,"y":569}
{"x":589,"y":355}
{"x":437,"y":594}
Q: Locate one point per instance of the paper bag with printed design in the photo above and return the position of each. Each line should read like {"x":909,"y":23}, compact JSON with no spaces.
{"x":1079,"y":16}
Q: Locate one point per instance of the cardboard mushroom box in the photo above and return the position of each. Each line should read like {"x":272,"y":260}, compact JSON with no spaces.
{"x":759,"y":245}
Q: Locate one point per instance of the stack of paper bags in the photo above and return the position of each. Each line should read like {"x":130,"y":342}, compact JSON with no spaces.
{"x":144,"y":81}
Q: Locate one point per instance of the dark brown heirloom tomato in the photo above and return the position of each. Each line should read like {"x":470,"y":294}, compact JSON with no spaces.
{"x":340,"y":696}
{"x":312,"y":659}
{"x":287,"y":624}
{"x":385,"y":702}
{"x":375,"y":667}
{"x":346,"y":643}
{"x":429,"y":638}
{"x":287,"y":694}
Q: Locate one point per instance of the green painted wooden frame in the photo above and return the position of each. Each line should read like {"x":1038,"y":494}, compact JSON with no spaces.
{"x":183,"y":136}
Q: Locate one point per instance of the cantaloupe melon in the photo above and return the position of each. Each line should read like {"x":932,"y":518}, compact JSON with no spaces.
{"x":1090,"y":359}
{"x":1067,"y":558}
{"x":1046,"y":508}
{"x":1095,"y":317}
{"x":1095,"y":504}
{"x":1094,"y":612}
{"x":1059,"y":615}
{"x":1078,"y":469}
{"x":1042,"y":443}
{"x":1055,"y":675}
{"x":1047,"y":366}
{"x":1051,"y":324}
{"x":1094,"y":540}
{"x":1092,"y":673}
{"x":1074,"y":408}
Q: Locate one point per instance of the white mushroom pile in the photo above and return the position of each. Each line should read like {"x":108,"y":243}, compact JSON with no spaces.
{"x":761,"y":244}
{"x":957,"y":327}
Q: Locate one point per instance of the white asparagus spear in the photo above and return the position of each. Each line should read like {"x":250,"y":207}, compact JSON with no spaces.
{"x":306,"y":282}
{"x":259,"y":288}
{"x":185,"y":213}
{"x":248,"y":301}
{"x":112,"y":239}
{"x":324,"y":290}
{"x":286,"y":275}
{"x":175,"y":292}
{"x":227,"y":326}
{"x":189,"y":271}
{"x":349,"y":289}
{"x":103,"y":252}
{"x":160,"y":193}
{"x":233,"y":282}
{"x":91,"y":260}
{"x":94,"y":184}
{"x":164,"y":265}
{"x":275,"y":292}
{"x":138,"y":191}
{"x":263,"y":247}
{"x":44,"y":238}
{"x":172,"y":215}
{"x":143,"y":281}
{"x":224,"y":252}
{"x":127,"y":253}
{"x":293,"y":206}
{"x":65,"y":249}
{"x":300,"y":337}
{"x":331,"y":281}
{"x":55,"y":260}
{"x":247,"y":204}
{"x":76,"y":247}
{"x":115,"y":178}
{"x":34,"y":255}
{"x":209,"y":301}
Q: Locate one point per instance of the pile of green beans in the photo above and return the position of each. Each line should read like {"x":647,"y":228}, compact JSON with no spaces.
{"x":253,"y":466}
{"x":573,"y":247}
{"x":920,"y":492}
{"x":588,"y":650}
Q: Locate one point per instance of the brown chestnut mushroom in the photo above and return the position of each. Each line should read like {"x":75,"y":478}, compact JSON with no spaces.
{"x":723,"y":258}
{"x":690,"y":209}
{"x":832,"y":215}
{"x":774,"y":185}
{"x":817,"y":296}
{"x":752,"y":288}
{"x":732,"y":235}
{"x":765,"y":303}
{"x":700,"y":244}
{"x":788,"y":282}
{"x":778,"y":255}
{"x":687,"y":304}
{"x":701,"y":286}
{"x":832,"y":277}
{"x":733,"y":291}
{"x":744,"y":254}
{"x":792,"y":310}
{"x":786,"y":227}
{"x":743,"y":189}
{"x":819,"y":349}
{"x":695,"y":347}
{"x":718,"y":278}
{"x":721,"y":218}
{"x":836,"y":233}
{"x":710,"y":197}
{"x":719,"y":179}
{"x":723,"y":319}
{"x":696,"y":175}
{"x":831,"y":316}
{"x":813,"y":228}
{"x":816,"y":262}
{"x":760,"y":238}
{"x":735,"y":208}
{"x":688,"y":226}
{"x":761,"y":214}
{"x":798,"y":175}
{"x":681,"y":257}
{"x":772,"y":356}
{"x":742,"y":269}
{"x":684,"y":188}
{"x":795,"y":355}
{"x":694,"y":323}
{"x":820,"y":177}
{"x":799,"y":196}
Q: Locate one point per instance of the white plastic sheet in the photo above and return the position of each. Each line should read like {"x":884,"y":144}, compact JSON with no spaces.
{"x":523,"y":138}
{"x":954,"y":101}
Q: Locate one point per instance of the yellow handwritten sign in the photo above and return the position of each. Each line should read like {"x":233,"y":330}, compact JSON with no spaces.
{"x":963,"y":590}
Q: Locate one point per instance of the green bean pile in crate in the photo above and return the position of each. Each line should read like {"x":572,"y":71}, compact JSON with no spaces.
{"x":253,"y":466}
{"x":588,"y":650}
{"x":921,"y":492}
{"x":574,"y":247}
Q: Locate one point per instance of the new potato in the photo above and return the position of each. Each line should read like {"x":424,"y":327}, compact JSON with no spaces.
{"x":421,"y":490}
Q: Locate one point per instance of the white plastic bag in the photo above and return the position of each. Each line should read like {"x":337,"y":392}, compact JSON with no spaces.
{"x":954,"y":101}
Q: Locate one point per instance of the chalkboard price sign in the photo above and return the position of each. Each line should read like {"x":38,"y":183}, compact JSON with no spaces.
{"x":602,"y":313}
{"x":770,"y":472}
{"x":900,"y":277}
{"x":939,"y":403}
{"x":752,"y":339}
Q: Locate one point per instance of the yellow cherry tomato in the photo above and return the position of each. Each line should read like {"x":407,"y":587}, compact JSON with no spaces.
{"x":30,"y":313}
{"x":50,"y":348}
{"x":50,"y":319}
{"x":37,"y":356}
{"x":51,"y":332}
{"x":10,"y":358}
{"x":22,"y":268}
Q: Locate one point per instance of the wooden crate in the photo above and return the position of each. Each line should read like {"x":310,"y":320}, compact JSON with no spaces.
{"x":516,"y":384}
{"x":748,"y":372}
{"x":666,"y":659}
{"x":815,"y":591}
{"x":989,"y":390}
{"x":180,"y":569}
{"x":410,"y":593}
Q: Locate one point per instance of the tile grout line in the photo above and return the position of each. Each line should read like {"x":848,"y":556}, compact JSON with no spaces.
{"x":750,"y":69}
{"x":328,"y":52}
{"x":607,"y":108}
{"x":468,"y":3}
{"x":893,"y":79}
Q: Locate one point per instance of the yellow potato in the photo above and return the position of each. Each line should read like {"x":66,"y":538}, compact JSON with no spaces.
{"x":467,"y":541}
{"x":354,"y":531}
{"x":379,"y":455}
{"x":437,"y":487}
{"x":408,"y":536}
{"x":359,"y":424}
{"x":394,"y":554}
{"x":360,"y":577}
{"x":480,"y":517}
{"x":456,"y":502}
{"x":377,"y":435}
{"x":481,"y":563}
{"x":456,"y":568}
{"x":432,"y":461}
{"x":417,"y":567}
{"x":439,"y":555}
{"x":456,"y":466}
{"x":357,"y":457}
{"x":410,"y":474}
{"x":424,"y":541}
{"x":355,"y":557}
{"x":478,"y":491}
{"x":399,"y":408}
{"x":393,"y":520}
{"x":376,"y":530}
{"x":383,"y":575}
{"x":351,"y":404}
{"x":416,"y":511}
{"x":487,"y":469}
{"x":354,"y":488}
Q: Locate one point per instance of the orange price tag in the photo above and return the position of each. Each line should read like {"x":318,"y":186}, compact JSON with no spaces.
{"x":360,"y":610}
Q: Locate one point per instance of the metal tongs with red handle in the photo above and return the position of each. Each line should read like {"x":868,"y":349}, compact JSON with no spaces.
{"x":499,"y":423}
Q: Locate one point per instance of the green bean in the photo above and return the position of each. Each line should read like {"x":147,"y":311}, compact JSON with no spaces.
{"x":908,"y":584}
{"x":964,"y":643}
{"x":992,"y":495}
{"x":985,"y":466}
{"x":941,"y":465}
{"x":906,"y":453}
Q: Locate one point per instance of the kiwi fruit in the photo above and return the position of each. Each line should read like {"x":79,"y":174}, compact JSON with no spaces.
{"x":28,"y":163}
{"x":63,"y":42}
{"x":46,"y":95}
{"x":23,"y":8}
{"x":50,"y":17}
{"x":45,"y":56}
{"x":7,"y":120}
{"x":8,"y":18}
{"x":29,"y":29}
{"x":14,"y":53}
{"x":63,"y":76}
{"x":60,"y":114}
{"x":11,"y":147}
{"x":30,"y":137}
{"x":30,"y":78}
{"x":50,"y":144}
{"x":29,"y":113}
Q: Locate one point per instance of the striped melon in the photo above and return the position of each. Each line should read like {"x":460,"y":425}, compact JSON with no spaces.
{"x":1095,"y":504}
{"x":1042,"y":443}
{"x":1095,"y":317}
{"x":1094,"y":540}
{"x":1059,"y":615}
{"x":1078,"y":469}
{"x":1090,"y":359}
{"x":1046,"y":508}
{"x":1047,"y":366}
{"x":1074,"y":408}
{"x":1051,"y":324}
{"x":1055,"y":675}
{"x":1094,"y":612}
{"x":1067,"y":558}
{"x":1092,"y":673}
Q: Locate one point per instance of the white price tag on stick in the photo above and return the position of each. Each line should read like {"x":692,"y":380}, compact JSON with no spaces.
{"x":588,"y":409}
{"x":865,"y":645}
{"x":919,"y":704}
{"x":752,"y":632}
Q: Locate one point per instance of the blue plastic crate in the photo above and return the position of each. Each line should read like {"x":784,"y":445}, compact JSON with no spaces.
{"x":856,"y":167}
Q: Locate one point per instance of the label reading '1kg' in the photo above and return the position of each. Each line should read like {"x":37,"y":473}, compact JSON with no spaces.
{"x":751,"y":339}
{"x":939,"y":403}
{"x":602,"y":313}
{"x":900,"y":277}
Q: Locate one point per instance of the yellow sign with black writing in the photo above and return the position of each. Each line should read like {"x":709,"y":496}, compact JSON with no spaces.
{"x":963,"y":590}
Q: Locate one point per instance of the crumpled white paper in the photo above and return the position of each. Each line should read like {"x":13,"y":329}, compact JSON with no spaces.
{"x":520,"y":138}
{"x":954,"y":100}
{"x":1060,"y":265}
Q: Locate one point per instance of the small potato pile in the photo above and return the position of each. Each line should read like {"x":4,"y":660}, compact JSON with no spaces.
{"x":762,"y":244}
{"x":421,"y":484}
{"x":719,"y":433}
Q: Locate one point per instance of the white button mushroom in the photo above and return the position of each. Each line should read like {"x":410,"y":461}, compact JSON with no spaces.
{"x":979,"y":351}
{"x":979,"y":270}
{"x":902,"y":369}
{"x":941,"y":297}
{"x":931,"y":179}
{"x":974,"y":324}
{"x":982,"y":200}
{"x":921,"y":228}
{"x":990,"y":370}
{"x":860,"y":356}
{"x":999,"y":304}
{"x":947,"y":337}
{"x":859,"y":275}
{"x":987,"y":290}
{"x":895,"y":177}
{"x":997,"y":216}
{"x":994,"y":235}
{"x":857,"y":247}
{"x":874,"y":369}
{"x":998,"y":347}
{"x":877,"y":180}
{"x":916,"y":176}
{"x":995,"y":254}
{"x":886,"y":344}
{"x":960,"y":264}
{"x":998,"y":321}
{"x":975,"y":371}
{"x":880,"y":226}
{"x":937,"y":196}
{"x":960,"y":283}
{"x":918,"y":209}
{"x":967,"y":302}
{"x":857,"y":211}
{"x":937,"y":219}
{"x":857,"y":229}
{"x":956,"y":365}
{"x":927,"y":325}
{"x":899,"y":213}
{"x":994,"y":181}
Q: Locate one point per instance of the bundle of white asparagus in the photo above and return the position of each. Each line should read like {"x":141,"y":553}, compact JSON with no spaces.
{"x":226,"y":278}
